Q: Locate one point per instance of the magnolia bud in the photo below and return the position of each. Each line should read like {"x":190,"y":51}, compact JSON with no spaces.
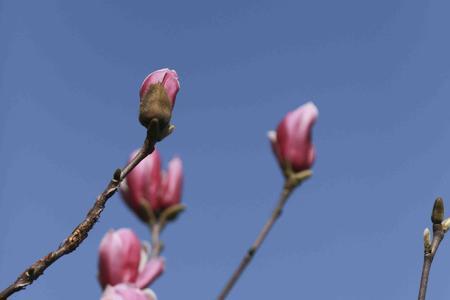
{"x":426,"y":239}
{"x":141,"y":188}
{"x":446,"y":224}
{"x":155,"y":104}
{"x":123,"y":259}
{"x":437,"y":215}
{"x":158,"y":93}
{"x":292,"y":141}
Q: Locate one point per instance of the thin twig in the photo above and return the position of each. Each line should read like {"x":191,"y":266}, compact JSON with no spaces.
{"x":80,"y":233}
{"x":156,"y":242}
{"x":287,"y":190}
{"x":438,"y":235}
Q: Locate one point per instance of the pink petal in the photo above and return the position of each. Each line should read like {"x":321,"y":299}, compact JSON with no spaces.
{"x":127,"y":292}
{"x":119,"y":256}
{"x":172,"y":183}
{"x":152,"y":270}
{"x":154,"y":77}
{"x":171,"y":85}
{"x":294,"y":137}
{"x":168,"y":78}
{"x":152,"y":183}
{"x":272,"y":135}
{"x":132,"y":190}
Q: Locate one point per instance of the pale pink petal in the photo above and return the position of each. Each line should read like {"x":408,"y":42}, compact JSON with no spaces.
{"x":127,"y":292}
{"x":119,"y":256}
{"x":171,"y":85}
{"x":272,"y":135}
{"x":173,"y":183}
{"x":150,"y":294}
{"x":152,"y":270}
{"x":132,"y":252}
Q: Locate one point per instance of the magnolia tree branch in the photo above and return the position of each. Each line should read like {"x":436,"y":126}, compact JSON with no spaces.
{"x":290,"y":184}
{"x":429,"y":253}
{"x":156,"y":241}
{"x":440,"y":227}
{"x":80,"y":233}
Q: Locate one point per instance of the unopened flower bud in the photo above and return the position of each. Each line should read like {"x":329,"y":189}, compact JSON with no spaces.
{"x":426,"y":239}
{"x":147,"y":187}
{"x":141,"y":188}
{"x":123,"y":259}
{"x":437,"y":215}
{"x":158,"y":93}
{"x":119,"y":256}
{"x":446,"y":224}
{"x":292,"y":142}
{"x":172,"y":183}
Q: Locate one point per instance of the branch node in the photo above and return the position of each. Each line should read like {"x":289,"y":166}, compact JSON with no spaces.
{"x":117,"y":174}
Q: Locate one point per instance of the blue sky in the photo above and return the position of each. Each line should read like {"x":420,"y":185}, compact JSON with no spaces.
{"x":379,"y":71}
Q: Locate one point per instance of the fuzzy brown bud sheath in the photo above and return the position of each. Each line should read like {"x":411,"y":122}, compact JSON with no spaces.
{"x":155,"y":104}
{"x":437,"y":216}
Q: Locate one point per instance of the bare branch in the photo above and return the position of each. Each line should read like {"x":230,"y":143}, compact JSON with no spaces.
{"x":80,"y":233}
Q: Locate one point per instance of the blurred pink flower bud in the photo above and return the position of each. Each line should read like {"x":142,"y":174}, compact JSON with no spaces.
{"x":172,"y":183}
{"x":120,"y":253}
{"x":292,"y":142}
{"x":150,"y":270}
{"x":127,"y":292}
{"x":122,"y":259}
{"x":169,"y":80}
{"x":147,"y":186}
{"x":141,"y":187}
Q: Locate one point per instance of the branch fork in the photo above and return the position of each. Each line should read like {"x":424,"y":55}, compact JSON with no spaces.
{"x":440,"y":227}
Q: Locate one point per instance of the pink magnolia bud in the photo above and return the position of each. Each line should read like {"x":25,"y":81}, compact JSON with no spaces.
{"x":123,"y":259}
{"x":172,"y":183}
{"x":141,"y":187}
{"x":158,"y":93}
{"x":291,"y":142}
{"x":120,"y":253}
{"x":147,"y":186}
{"x":127,"y":292}
{"x":169,"y":80}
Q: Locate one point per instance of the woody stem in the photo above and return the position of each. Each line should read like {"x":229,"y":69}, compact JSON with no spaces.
{"x":156,"y":242}
{"x":287,"y":190}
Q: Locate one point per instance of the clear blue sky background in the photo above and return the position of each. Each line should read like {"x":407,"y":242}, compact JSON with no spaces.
{"x":379,"y":71}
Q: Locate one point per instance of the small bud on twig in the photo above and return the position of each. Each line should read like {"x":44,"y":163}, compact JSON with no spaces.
{"x":426,"y":240}
{"x":292,"y":140}
{"x":446,"y":224}
{"x":117,"y":174}
{"x":437,"y":216}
